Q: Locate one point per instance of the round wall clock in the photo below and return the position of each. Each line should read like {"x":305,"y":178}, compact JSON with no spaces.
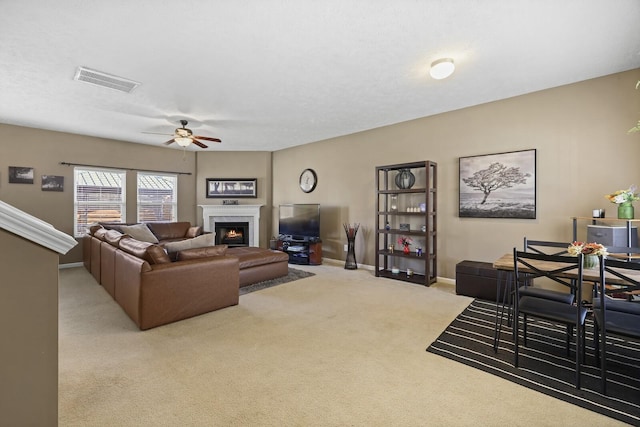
{"x":308,"y":180}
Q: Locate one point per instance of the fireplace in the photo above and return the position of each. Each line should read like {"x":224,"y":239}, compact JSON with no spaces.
{"x":213,"y":214}
{"x":232,"y":233}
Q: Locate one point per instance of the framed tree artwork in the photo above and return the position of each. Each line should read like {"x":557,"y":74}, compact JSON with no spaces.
{"x":501,"y":185}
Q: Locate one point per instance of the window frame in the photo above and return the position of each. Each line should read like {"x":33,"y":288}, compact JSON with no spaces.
{"x":173,"y":202}
{"x":77,"y":204}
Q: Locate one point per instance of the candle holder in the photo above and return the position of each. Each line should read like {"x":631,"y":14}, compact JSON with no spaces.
{"x":351,"y":230}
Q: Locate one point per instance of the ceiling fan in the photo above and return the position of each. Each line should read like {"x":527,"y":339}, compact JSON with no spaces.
{"x":183,"y":137}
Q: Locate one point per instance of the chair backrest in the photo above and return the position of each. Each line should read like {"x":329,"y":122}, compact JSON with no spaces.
{"x":623,"y":276}
{"x":545,"y":247}
{"x":566,"y":270}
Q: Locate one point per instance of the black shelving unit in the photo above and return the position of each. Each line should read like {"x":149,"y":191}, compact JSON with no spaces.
{"x":403,"y":204}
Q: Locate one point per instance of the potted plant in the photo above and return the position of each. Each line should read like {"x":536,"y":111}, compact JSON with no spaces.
{"x":624,"y":199}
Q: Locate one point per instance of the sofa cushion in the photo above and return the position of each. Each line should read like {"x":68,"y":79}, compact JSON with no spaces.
{"x":100,"y":233}
{"x":139,"y":232}
{"x":152,"y":253}
{"x":94,"y":227}
{"x":169,"y":230}
{"x":194,"y":231}
{"x":197,"y":242}
{"x":113,"y":237}
{"x":209,"y":251}
{"x":251,"y":256}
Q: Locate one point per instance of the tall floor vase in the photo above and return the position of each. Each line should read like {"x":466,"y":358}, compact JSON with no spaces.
{"x":625,"y":210}
{"x":351,"y":231}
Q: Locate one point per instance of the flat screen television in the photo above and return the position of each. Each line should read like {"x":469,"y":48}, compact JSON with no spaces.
{"x":300,"y":221}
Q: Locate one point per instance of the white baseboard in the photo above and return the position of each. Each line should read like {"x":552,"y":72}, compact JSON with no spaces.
{"x":70,"y":265}
{"x":442,"y":280}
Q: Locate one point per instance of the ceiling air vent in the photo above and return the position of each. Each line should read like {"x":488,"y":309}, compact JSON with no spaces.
{"x":99,"y":78}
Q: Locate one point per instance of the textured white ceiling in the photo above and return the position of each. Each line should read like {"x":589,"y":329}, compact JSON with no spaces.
{"x":271,"y":74}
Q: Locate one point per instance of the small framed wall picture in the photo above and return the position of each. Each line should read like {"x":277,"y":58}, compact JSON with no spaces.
{"x":20,"y":175}
{"x":52,"y":183}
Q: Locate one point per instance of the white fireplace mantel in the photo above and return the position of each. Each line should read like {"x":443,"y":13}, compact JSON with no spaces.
{"x":224,"y":213}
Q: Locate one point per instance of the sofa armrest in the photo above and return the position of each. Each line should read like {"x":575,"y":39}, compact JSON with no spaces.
{"x":194,"y":231}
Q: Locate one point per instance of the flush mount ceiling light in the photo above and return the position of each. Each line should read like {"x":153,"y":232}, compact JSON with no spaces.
{"x":442,"y":68}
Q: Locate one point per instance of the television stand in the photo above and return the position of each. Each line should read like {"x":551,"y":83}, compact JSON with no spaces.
{"x":301,"y":250}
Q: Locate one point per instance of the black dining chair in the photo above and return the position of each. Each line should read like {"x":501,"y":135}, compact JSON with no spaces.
{"x":542,"y":247}
{"x":624,"y":253}
{"x":545,"y":247}
{"x":564,"y":270}
{"x":618,"y":317}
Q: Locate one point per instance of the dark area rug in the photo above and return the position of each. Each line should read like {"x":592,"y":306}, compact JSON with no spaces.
{"x":543,"y":364}
{"x":294,"y":274}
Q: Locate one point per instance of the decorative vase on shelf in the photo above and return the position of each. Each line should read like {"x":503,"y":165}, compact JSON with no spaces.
{"x":406,"y":250}
{"x":405,"y":179}
{"x":590,"y":262}
{"x":625,"y":210}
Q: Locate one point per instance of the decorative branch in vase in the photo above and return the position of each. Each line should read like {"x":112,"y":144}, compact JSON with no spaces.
{"x":405,"y":242}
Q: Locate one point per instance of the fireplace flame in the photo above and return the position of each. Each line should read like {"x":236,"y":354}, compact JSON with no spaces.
{"x":232,"y":234}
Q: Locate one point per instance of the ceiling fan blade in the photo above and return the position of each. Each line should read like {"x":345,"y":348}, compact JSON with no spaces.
{"x":206,"y":138}
{"x":156,"y":133}
{"x":199,"y":144}
{"x":171,"y":141}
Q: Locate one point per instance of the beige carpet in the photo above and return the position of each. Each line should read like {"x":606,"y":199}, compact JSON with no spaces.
{"x":341,"y":348}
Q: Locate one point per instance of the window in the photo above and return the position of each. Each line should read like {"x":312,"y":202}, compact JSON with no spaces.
{"x":99,"y":195}
{"x":157,"y":197}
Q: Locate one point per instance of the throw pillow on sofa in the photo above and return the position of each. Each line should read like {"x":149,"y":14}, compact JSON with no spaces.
{"x":197,"y":242}
{"x":139,"y":232}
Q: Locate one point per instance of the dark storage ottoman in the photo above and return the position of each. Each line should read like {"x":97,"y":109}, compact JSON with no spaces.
{"x":478,"y":279}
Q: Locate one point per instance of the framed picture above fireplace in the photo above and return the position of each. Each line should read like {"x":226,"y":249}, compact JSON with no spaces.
{"x":232,"y":187}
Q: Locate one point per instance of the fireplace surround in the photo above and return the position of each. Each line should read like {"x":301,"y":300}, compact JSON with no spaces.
{"x":211,"y":214}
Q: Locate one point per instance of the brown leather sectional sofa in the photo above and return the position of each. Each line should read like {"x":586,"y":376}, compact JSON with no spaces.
{"x":155,"y":288}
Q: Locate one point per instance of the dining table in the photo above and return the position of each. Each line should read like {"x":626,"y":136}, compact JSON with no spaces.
{"x":505,"y":265}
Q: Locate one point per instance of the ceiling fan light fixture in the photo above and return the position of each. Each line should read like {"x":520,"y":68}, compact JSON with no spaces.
{"x":183,"y":142}
{"x":442,"y":68}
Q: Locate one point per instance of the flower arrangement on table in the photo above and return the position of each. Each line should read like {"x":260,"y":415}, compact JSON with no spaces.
{"x":623,"y":196}
{"x":577,"y":248}
{"x":590,"y":252}
{"x":624,"y":200}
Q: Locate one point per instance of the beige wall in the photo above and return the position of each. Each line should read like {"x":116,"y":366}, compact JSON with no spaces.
{"x":44,"y":150}
{"x":583,"y":152}
{"x":29,"y":331}
{"x":234,"y":164}
{"x":579,"y":131}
